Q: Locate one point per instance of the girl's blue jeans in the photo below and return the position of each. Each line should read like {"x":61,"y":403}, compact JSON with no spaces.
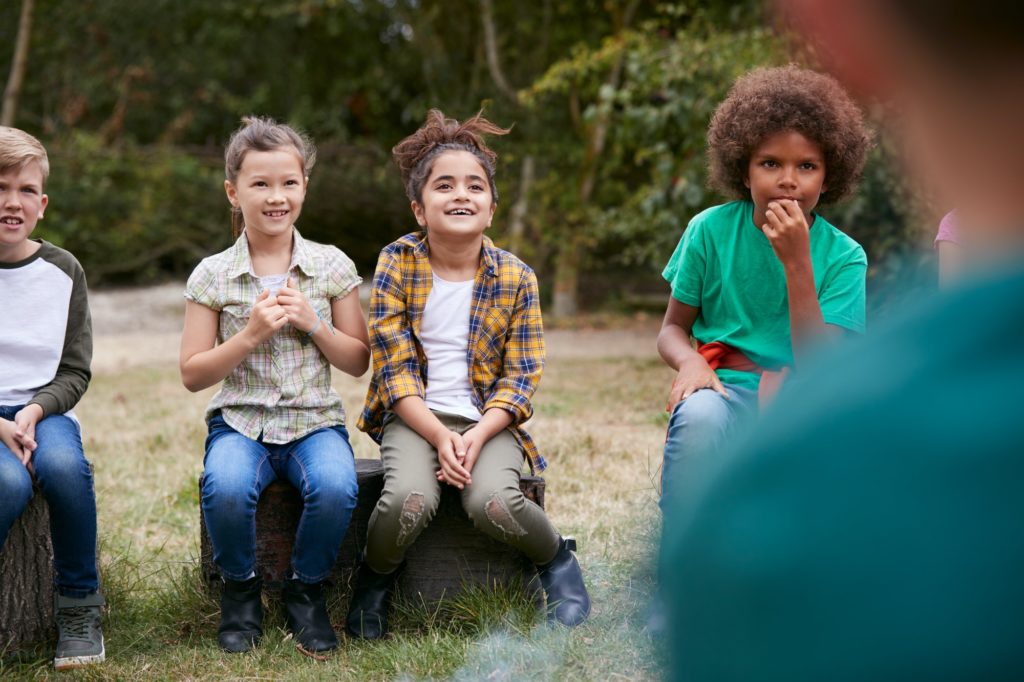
{"x":700,"y":426}
{"x":65,"y":480}
{"x":237,"y":469}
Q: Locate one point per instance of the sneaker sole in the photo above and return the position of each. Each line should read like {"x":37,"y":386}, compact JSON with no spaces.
{"x":71,"y":662}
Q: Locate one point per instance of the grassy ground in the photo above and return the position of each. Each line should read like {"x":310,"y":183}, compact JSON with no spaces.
{"x":599,"y":420}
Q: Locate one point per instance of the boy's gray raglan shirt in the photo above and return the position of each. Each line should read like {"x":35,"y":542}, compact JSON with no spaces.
{"x":45,"y":331}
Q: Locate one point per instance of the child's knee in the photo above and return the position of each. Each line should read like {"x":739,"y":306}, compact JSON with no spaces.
{"x":16,"y":484}
{"x":228,"y":490}
{"x":496,"y":510}
{"x":337,"y":491}
{"x":60,"y":464}
{"x":703,"y":407}
{"x":414,"y":508}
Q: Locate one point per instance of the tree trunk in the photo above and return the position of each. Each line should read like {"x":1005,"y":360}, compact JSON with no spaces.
{"x":570,"y":253}
{"x":18,"y":65}
{"x":517,"y":216}
{"x":491,"y":47}
{"x":26,"y":579}
{"x":565,"y":302}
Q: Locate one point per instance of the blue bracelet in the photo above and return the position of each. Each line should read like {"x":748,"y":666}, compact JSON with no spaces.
{"x":316,"y":325}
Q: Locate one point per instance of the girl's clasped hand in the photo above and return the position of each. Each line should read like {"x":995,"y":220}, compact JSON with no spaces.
{"x":271,"y":313}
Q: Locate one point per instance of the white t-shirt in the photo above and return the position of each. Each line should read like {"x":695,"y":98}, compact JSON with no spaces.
{"x":273,"y":283}
{"x":444,"y":333}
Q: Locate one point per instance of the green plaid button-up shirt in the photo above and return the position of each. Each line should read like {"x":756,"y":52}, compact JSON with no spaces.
{"x":505,"y":353}
{"x":282,"y":390}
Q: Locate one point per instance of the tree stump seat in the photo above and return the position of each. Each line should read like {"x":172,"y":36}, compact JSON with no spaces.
{"x":26,"y":579}
{"x":448,"y":556}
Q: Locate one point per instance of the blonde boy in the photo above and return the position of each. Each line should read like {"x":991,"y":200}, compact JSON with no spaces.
{"x":45,"y":350}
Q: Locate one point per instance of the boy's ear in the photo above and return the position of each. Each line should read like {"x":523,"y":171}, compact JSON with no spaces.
{"x":232,"y":193}
{"x":417,"y":211}
{"x":43,"y":201}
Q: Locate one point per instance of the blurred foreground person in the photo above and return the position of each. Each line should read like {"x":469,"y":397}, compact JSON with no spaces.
{"x":871,"y":525}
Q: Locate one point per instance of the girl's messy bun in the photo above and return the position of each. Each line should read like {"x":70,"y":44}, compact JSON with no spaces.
{"x":415,"y":154}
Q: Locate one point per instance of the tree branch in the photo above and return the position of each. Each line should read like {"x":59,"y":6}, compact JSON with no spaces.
{"x":18,"y":64}
{"x":491,"y":45}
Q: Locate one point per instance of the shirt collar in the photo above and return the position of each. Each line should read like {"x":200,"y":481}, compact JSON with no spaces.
{"x":421,"y":249}
{"x":241,"y":263}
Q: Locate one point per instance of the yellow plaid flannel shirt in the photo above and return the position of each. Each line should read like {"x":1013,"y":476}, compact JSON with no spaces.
{"x":505,"y":353}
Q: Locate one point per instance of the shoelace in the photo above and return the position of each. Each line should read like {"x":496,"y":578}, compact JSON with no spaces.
{"x":75,"y":622}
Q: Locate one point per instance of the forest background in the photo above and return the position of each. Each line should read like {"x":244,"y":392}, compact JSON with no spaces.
{"x":610,"y":101}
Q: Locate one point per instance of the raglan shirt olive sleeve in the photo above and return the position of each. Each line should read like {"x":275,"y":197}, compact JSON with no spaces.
{"x":73,"y":372}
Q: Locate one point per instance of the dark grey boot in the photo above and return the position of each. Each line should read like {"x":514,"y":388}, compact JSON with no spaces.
{"x":241,"y":615}
{"x":562,"y":578}
{"x":368,"y":611}
{"x":306,"y":613}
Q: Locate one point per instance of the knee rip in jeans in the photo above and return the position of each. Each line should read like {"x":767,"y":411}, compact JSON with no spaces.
{"x":498,"y":513}
{"x":412,"y":511}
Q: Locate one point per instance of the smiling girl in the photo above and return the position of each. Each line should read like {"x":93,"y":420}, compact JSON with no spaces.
{"x":458,"y":349}
{"x":269,"y":317}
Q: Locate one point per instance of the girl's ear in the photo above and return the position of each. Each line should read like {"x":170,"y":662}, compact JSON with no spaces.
{"x":746,"y":180}
{"x":232,"y":193}
{"x":494,"y":207}
{"x":417,"y":211}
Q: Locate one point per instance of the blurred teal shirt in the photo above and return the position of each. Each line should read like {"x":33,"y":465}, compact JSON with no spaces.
{"x":870,"y":524}
{"x":725,"y":266}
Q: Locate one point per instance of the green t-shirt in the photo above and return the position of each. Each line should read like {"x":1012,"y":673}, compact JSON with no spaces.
{"x":725,"y":266}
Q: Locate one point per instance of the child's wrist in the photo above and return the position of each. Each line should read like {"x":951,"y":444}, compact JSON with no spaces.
{"x":315,"y":327}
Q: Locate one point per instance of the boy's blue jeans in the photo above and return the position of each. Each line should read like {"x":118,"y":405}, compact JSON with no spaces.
{"x":699,"y":426}
{"x":65,"y":479}
{"x":237,"y":469}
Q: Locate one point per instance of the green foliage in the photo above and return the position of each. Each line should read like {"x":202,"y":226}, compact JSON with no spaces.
{"x":135,"y":104}
{"x":134,"y":214}
{"x":653,"y":174}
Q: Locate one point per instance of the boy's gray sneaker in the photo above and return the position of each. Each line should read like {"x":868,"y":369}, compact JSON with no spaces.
{"x":79,"y":635}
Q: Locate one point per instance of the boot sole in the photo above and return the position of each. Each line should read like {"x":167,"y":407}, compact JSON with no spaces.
{"x":72,"y":662}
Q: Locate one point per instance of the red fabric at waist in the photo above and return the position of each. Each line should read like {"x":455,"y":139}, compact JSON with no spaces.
{"x":723,"y":356}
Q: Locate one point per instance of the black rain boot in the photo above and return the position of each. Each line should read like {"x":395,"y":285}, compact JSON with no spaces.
{"x":368,"y":611}
{"x":562,"y":578}
{"x":241,"y":615}
{"x":306,"y":614}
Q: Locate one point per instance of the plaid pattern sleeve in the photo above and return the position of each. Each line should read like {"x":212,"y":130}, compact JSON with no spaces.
{"x":397,"y":365}
{"x":523,"y":357}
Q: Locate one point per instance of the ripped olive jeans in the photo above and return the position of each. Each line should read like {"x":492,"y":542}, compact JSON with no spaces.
{"x":412,"y":492}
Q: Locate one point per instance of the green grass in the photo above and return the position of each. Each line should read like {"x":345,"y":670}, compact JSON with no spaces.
{"x":600,"y":425}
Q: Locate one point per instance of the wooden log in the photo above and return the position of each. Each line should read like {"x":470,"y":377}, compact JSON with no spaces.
{"x":26,"y":579}
{"x":448,"y":556}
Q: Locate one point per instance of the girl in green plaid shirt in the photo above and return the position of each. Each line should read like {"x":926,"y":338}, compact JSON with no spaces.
{"x":269,"y":317}
{"x":458,"y":349}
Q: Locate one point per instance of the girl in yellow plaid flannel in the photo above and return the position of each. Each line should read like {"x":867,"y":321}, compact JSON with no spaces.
{"x":458,"y":350}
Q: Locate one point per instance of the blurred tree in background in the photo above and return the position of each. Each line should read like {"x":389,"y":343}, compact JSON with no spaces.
{"x":610,"y":100}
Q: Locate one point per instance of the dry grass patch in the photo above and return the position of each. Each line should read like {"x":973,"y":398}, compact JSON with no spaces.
{"x":599,"y":420}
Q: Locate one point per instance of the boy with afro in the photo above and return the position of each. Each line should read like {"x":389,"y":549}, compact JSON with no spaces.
{"x":758,"y":281}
